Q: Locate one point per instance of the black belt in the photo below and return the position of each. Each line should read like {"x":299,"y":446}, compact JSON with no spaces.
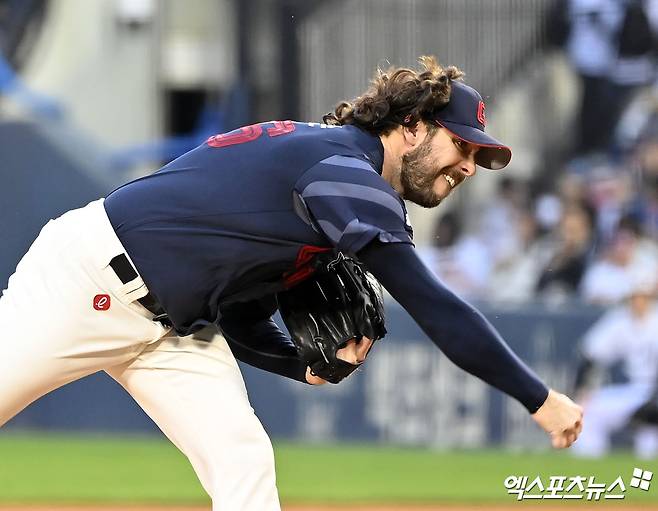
{"x":126,"y":273}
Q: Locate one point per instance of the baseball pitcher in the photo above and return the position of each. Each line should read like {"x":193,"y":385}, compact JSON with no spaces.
{"x":309,"y":217}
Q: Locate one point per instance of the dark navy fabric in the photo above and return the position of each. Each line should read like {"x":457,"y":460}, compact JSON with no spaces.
{"x":223,"y":224}
{"x":455,"y":326}
{"x":256,"y":339}
{"x":344,"y":203}
{"x":214,"y":233}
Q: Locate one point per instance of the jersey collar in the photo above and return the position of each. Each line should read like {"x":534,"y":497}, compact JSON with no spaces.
{"x":372,"y":148}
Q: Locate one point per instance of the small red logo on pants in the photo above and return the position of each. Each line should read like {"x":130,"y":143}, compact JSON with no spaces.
{"x":101,"y":302}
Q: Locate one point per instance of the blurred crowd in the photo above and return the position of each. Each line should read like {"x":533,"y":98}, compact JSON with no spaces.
{"x":591,"y":234}
{"x":594,"y":237}
{"x":587,"y":231}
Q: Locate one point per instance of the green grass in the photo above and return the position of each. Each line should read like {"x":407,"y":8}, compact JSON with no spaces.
{"x":94,"y":469}
{"x":365,"y":474}
{"x":66,"y":469}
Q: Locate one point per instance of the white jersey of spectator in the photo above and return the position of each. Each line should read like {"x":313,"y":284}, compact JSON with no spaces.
{"x":591,"y":45}
{"x":464,"y":267}
{"x":515,"y":281}
{"x":593,"y":41}
{"x":497,"y":230}
{"x":638,"y":70}
{"x":608,"y":281}
{"x":621,"y":336}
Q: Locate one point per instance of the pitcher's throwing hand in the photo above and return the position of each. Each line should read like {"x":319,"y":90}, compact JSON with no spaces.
{"x":561,"y":418}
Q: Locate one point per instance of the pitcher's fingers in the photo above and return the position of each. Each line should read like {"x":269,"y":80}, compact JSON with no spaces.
{"x":559,"y":441}
{"x":571,"y":438}
{"x":312,"y":379}
{"x":363,"y":348}
{"x":348,"y":353}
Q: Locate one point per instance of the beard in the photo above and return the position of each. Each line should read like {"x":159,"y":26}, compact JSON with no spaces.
{"x":417,"y":176}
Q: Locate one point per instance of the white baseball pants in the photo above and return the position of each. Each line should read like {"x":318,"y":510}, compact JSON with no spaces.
{"x":610,"y":409}
{"x":53,"y":334}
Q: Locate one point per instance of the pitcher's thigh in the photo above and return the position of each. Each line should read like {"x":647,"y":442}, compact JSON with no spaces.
{"x":29,"y":363}
{"x":51,"y":330}
{"x":26,"y":375}
{"x":51,"y":336}
{"x":194,"y":391}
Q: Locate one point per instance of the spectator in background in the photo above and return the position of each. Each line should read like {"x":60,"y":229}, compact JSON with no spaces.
{"x":591,"y":51}
{"x":513,"y":279}
{"x":609,"y":190}
{"x":646,"y":251}
{"x":626,"y":334}
{"x":572,"y":189}
{"x":610,"y":45}
{"x":636,"y":47}
{"x":645,"y":204}
{"x":567,"y":254}
{"x":500,"y":217}
{"x":461,"y":261}
{"x":629,"y":256}
{"x":639,"y":122}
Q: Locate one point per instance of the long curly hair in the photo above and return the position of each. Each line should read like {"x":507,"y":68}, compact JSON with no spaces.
{"x":397,"y":96}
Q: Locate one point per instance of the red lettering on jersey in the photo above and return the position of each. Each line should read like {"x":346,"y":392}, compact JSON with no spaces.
{"x":246,"y":134}
{"x":281,"y":128}
{"x":481,"y":116}
{"x":250,"y":133}
{"x":101,"y":302}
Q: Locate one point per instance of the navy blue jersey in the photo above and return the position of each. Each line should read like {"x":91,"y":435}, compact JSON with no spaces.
{"x":225,"y":222}
{"x":217,"y":232}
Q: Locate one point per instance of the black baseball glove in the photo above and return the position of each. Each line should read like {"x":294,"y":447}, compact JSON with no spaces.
{"x":340,"y":301}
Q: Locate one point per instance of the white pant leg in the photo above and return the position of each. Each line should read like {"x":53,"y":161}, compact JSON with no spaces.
{"x":194,"y":391}
{"x":608,"y":410}
{"x":645,"y":442}
{"x":50,"y":333}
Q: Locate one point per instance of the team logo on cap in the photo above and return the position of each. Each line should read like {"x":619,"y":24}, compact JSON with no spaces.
{"x":481,"y":117}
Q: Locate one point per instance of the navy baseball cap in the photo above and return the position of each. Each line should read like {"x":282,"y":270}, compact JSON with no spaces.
{"x":464,"y":117}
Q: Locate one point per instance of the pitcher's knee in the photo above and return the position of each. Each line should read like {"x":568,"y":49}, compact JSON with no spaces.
{"x":253,"y":454}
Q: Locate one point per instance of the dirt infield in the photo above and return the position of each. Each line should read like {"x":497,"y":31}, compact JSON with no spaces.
{"x":437,"y":507}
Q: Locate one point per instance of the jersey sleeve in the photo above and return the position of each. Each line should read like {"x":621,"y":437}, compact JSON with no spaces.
{"x":255,"y":339}
{"x":263,"y":345}
{"x":345,"y":199}
{"x":456,"y":327}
